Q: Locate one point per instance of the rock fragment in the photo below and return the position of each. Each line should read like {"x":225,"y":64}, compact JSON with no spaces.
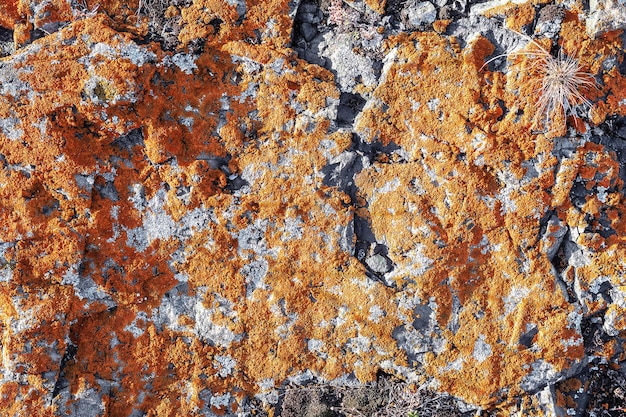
{"x":418,"y":14}
{"x":605,"y":16}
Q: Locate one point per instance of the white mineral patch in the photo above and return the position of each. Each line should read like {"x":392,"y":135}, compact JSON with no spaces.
{"x":10,"y":128}
{"x":225,"y":365}
{"x":421,"y":13}
{"x":85,"y":287}
{"x":572,"y":341}
{"x":137,"y":328}
{"x":340,"y":318}
{"x":516,"y":296}
{"x":315,"y":345}
{"x":479,"y":141}
{"x":359,"y":344}
{"x":433,"y":104}
{"x":210,"y":332}
{"x":351,"y":68}
{"x":137,"y":196}
{"x":254,"y":273}
{"x":388,"y":187}
{"x":185,"y":62}
{"x":377,"y":263}
{"x":414,"y":263}
{"x":157,"y":224}
{"x":605,"y":15}
{"x":610,"y":324}
{"x":280,"y":310}
{"x":27,"y":318}
{"x":482,"y":349}
{"x":511,"y":185}
{"x":376,"y":313}
{"x":11,"y":85}
{"x":579,"y":258}
{"x":252,"y":238}
{"x":131,"y":51}
{"x":293,"y":229}
{"x":220,"y":401}
{"x":6,"y":274}
{"x":484,"y":8}
{"x":541,"y":373}
{"x":187,"y":121}
{"x":455,"y":365}
{"x":302,"y":378}
{"x":266,"y":384}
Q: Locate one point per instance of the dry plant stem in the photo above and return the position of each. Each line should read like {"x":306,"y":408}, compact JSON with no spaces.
{"x":560,"y":82}
{"x":400,"y":400}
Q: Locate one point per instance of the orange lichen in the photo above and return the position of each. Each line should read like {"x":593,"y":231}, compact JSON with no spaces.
{"x":135,"y":274}
{"x":53,"y":11}
{"x":520,"y":16}
{"x":442,"y":200}
{"x":9,"y":14}
{"x":135,"y":179}
{"x":377,"y":5}
{"x":441,"y":25}
{"x":207,"y":19}
{"x":21,"y":33}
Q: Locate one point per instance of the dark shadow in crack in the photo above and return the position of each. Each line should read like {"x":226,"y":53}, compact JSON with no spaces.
{"x":62,"y":382}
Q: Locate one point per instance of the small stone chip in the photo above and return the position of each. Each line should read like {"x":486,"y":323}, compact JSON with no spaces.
{"x":378,"y":263}
{"x":419,"y":14}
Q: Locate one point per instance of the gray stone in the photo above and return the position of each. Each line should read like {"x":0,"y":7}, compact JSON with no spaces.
{"x":90,"y":401}
{"x":543,"y":374}
{"x":350,"y":67}
{"x":612,"y":318}
{"x":309,"y":31}
{"x":605,"y":16}
{"x":549,"y":22}
{"x":419,"y":14}
{"x":312,"y":57}
{"x":451,"y":9}
{"x":553,"y":237}
{"x":345,"y":114}
{"x":378,"y":263}
{"x":486,"y":7}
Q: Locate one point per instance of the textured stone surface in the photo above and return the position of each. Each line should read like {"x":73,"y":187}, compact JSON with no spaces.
{"x":605,"y":16}
{"x":194,"y":219}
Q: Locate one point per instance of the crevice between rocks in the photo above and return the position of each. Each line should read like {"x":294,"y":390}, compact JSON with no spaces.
{"x":62,"y":382}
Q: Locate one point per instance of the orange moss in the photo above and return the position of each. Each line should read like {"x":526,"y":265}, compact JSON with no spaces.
{"x":477,"y":52}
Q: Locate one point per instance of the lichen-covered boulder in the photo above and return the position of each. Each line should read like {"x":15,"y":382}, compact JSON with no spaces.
{"x":194,"y":216}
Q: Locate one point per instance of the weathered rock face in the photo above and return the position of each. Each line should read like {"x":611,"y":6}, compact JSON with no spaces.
{"x":197,"y":217}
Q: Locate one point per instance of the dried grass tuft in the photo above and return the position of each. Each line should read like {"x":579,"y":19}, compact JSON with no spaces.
{"x":560,"y":81}
{"x":406,"y":400}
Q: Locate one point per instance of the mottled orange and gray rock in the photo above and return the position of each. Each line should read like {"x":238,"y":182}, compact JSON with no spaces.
{"x":185,"y":228}
{"x":605,"y":16}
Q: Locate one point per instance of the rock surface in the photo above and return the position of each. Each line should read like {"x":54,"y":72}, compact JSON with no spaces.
{"x":206,"y":203}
